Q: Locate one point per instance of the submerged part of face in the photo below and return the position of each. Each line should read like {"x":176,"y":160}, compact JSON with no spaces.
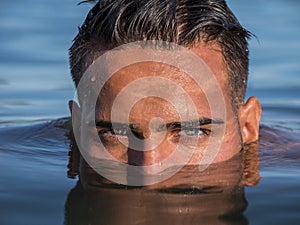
{"x":214,"y":197}
{"x":115,"y":206}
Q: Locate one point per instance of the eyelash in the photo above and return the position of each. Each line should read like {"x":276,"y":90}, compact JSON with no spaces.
{"x":116,"y":132}
{"x":181,"y":132}
{"x":204,"y":132}
{"x":111,"y":137}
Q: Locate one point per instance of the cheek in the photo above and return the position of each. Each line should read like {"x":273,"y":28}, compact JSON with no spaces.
{"x":115,"y":151}
{"x":97,"y":148}
{"x":231,"y":144}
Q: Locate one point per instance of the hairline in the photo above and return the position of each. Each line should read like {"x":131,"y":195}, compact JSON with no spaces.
{"x":96,"y":52}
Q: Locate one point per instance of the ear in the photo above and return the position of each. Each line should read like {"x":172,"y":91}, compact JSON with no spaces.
{"x":249,"y":118}
{"x":75,"y":114}
{"x":74,"y":154}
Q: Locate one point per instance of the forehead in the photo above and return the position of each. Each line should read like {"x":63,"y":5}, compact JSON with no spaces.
{"x":166,"y":78}
{"x":182,"y":65}
{"x":120,"y":58}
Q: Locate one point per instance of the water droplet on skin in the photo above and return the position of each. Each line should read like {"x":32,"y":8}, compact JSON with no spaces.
{"x":93,"y":79}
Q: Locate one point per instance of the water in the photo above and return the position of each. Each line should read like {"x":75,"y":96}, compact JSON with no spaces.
{"x":34,"y":89}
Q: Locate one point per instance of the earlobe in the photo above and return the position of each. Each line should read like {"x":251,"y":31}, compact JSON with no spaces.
{"x":249,"y":118}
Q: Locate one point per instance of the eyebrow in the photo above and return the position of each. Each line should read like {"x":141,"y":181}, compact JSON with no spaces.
{"x":109,"y":124}
{"x":192,"y":123}
{"x":171,"y":125}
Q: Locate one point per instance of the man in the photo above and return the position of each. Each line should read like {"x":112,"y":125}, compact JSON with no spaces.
{"x":156,"y":106}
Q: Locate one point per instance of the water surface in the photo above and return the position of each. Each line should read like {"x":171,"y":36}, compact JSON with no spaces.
{"x":35,"y":86}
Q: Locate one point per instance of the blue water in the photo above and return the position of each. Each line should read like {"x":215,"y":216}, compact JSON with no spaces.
{"x":275,"y":64}
{"x":35,"y":86}
{"x":35,"y":37}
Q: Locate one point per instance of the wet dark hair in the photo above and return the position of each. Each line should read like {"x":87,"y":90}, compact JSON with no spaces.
{"x":111,"y":23}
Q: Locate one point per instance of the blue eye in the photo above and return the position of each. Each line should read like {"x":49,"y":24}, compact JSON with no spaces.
{"x":194,"y":132}
{"x":119,"y":131}
{"x":113,"y":131}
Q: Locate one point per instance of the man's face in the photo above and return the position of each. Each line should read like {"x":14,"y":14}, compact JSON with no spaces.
{"x":175,"y":113}
{"x":156,"y":121}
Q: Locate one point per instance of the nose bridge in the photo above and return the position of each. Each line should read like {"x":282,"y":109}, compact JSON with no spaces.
{"x":151,"y":157}
{"x":146,"y":155}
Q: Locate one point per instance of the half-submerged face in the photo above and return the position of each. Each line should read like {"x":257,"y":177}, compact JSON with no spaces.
{"x":149,"y":112}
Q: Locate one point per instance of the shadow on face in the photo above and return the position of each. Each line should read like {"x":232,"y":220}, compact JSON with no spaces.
{"x":214,"y":196}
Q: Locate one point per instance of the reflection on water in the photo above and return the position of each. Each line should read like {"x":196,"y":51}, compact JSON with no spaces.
{"x":115,"y":206}
{"x":214,"y":196}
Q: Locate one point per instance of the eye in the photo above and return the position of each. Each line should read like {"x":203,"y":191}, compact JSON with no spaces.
{"x":116,"y":131}
{"x":119,"y":131}
{"x":194,"y":132}
{"x":191,"y":137}
{"x":113,"y":136}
